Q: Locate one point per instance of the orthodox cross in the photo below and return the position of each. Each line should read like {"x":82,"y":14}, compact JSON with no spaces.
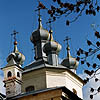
{"x":38,"y":9}
{"x":39,"y":15}
{"x":14,"y":34}
{"x":68,"y":49}
{"x":67,"y":39}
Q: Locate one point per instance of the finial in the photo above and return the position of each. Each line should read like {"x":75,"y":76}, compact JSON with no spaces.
{"x":15,"y":40}
{"x":39,"y":15}
{"x":50,"y":31}
{"x":68,"y":48}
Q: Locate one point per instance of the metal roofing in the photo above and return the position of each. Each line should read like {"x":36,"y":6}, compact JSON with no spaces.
{"x":42,"y":64}
{"x":70,"y":94}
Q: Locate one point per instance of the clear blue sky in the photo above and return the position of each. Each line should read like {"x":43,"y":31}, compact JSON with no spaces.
{"x":20,"y":15}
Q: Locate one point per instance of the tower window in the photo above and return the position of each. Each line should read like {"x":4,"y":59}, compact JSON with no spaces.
{"x":18,"y":74}
{"x":29,"y":88}
{"x":9,"y":74}
{"x":74,"y":91}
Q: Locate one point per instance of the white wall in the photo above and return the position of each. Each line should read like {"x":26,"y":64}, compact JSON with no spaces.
{"x":64,"y":79}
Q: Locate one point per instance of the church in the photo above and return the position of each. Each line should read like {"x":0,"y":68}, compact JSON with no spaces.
{"x":44,"y":78}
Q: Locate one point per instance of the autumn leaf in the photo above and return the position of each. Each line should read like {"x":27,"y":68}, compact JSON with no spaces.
{"x":88,"y":64}
{"x":91,"y":90}
{"x":81,"y":51}
{"x":41,"y":5}
{"x":86,"y":54}
{"x":96,"y":79}
{"x":90,"y":6}
{"x":98,"y":43}
{"x":78,"y":53}
{"x":54,"y":0}
{"x":58,"y":1}
{"x":98,"y":89}
{"x":94,"y":65}
{"x":97,"y":34}
{"x":98,"y":56}
{"x":91,"y":96}
{"x":86,"y":80}
{"x":89,"y":72}
{"x":67,"y":22}
{"x":98,"y":8}
{"x":49,"y":11}
{"x":78,"y":58}
{"x":87,"y":12}
{"x":90,"y":49}
{"x":82,"y":62}
{"x":89,"y":42}
{"x":94,"y":13}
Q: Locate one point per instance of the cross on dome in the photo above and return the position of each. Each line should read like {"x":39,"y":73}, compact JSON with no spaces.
{"x":67,"y":39}
{"x":69,"y":61}
{"x":14,"y":34}
{"x":68,"y":48}
{"x":15,"y":57}
{"x":39,"y":15}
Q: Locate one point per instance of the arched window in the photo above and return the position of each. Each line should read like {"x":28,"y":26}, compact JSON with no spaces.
{"x":74,"y":91}
{"x":18,"y":74}
{"x":9,"y":74}
{"x":29,"y":88}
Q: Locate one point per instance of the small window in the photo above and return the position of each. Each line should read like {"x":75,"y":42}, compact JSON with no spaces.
{"x":18,"y":74}
{"x":8,"y":92}
{"x":9,"y":74}
{"x":74,"y":91}
{"x":29,"y":88}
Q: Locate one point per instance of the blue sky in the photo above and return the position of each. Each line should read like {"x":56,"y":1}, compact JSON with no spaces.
{"x":20,"y":15}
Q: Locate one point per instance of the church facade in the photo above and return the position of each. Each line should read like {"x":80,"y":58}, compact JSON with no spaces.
{"x":44,"y":78}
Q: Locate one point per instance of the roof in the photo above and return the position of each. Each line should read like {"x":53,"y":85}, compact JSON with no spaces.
{"x":2,"y":96}
{"x":39,"y":64}
{"x":70,"y":94}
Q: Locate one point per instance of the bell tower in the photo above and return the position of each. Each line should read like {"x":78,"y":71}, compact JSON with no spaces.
{"x":13,"y":71}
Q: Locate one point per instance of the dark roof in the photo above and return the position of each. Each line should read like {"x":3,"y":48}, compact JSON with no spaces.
{"x":70,"y":94}
{"x":2,"y":95}
{"x":34,"y":65}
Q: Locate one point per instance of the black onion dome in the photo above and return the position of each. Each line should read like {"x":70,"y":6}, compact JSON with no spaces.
{"x":18,"y":57}
{"x":52,"y":46}
{"x":70,"y":62}
{"x":39,"y":34}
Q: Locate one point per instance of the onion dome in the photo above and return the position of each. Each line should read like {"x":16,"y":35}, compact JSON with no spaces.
{"x":18,"y":57}
{"x":39,"y":34}
{"x":70,"y":62}
{"x":52,"y":46}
